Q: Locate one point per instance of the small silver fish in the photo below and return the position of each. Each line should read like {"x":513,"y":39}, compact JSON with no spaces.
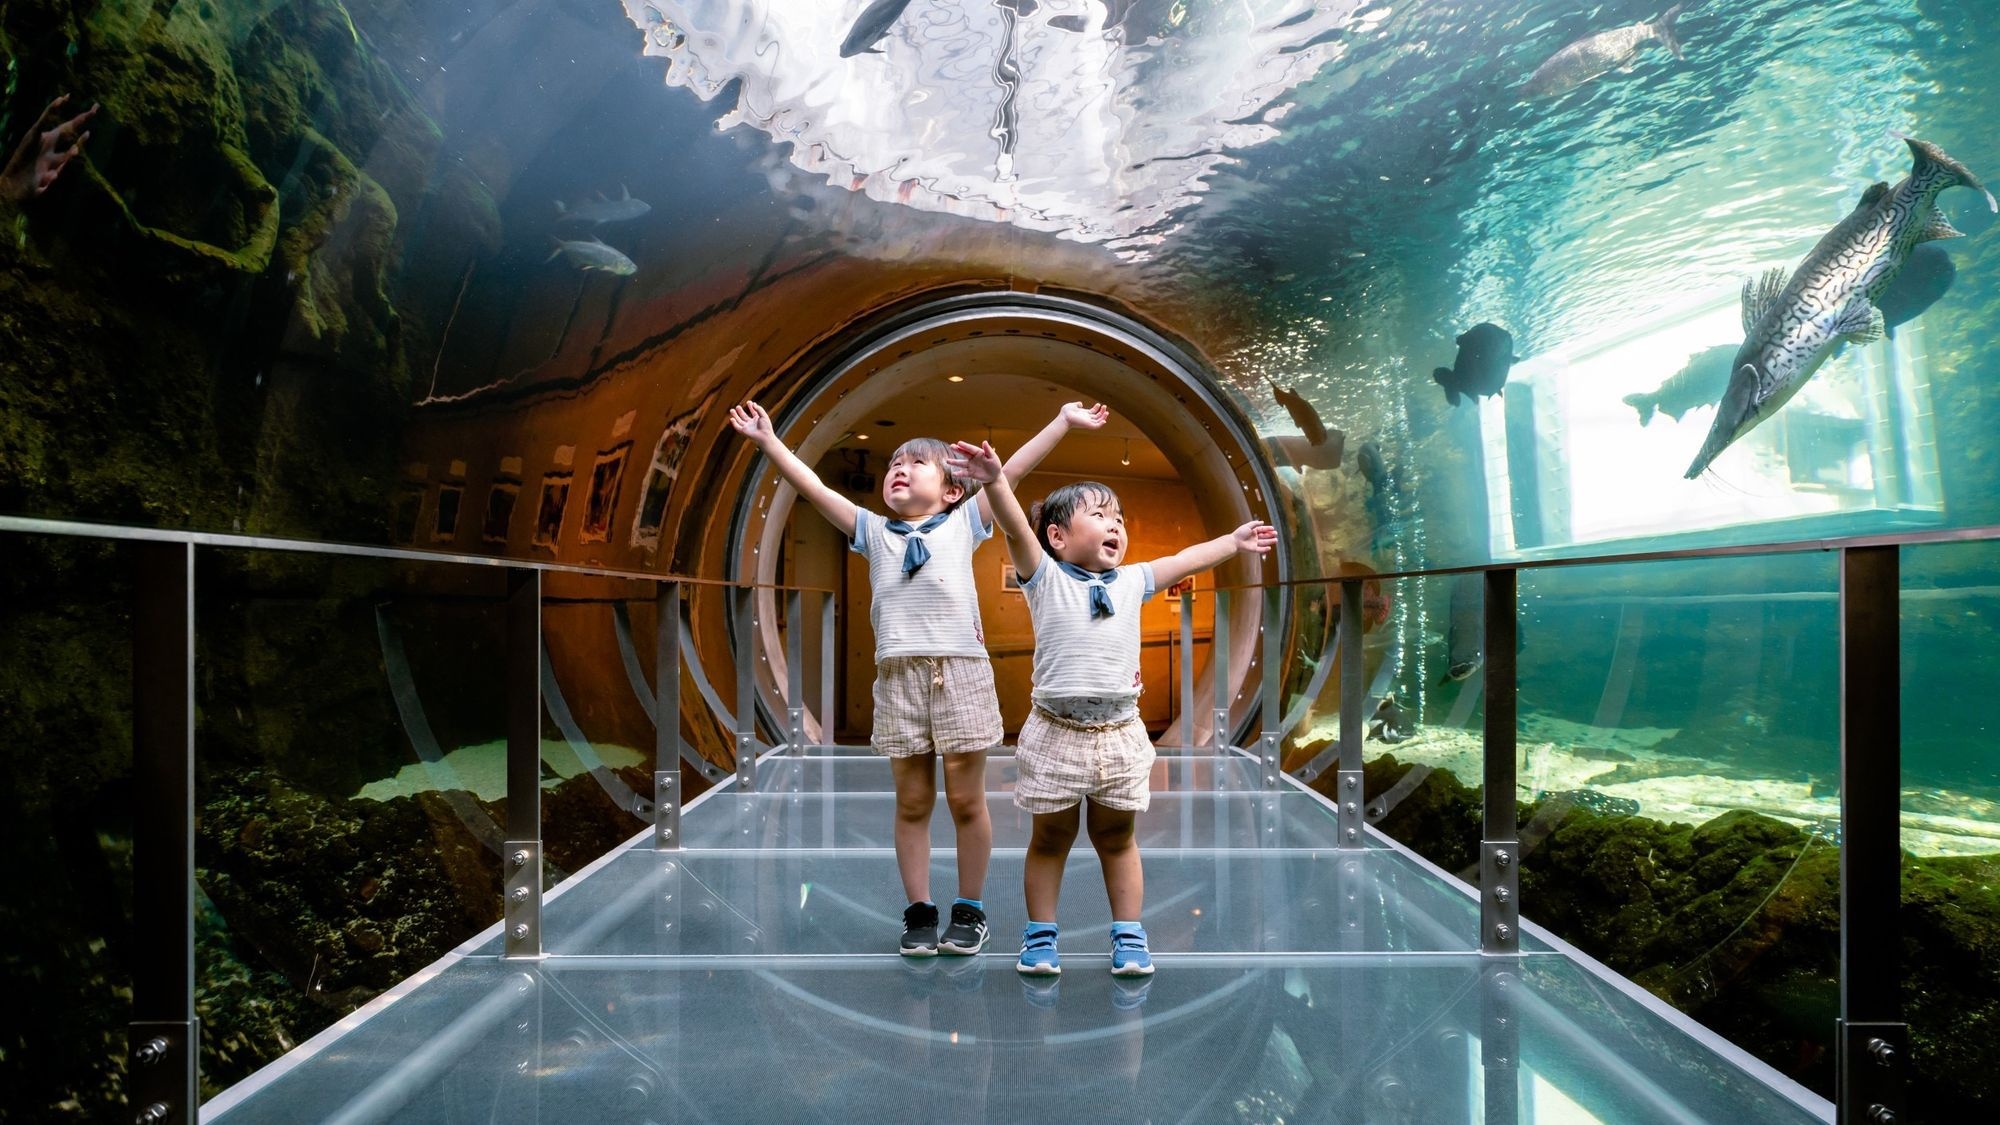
{"x":1790,"y":327}
{"x":602,"y":210}
{"x":590,"y":254}
{"x":1592,"y":55}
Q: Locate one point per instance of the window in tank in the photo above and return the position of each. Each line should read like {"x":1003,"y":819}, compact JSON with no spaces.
{"x":549,"y":513}
{"x":500,"y":511}
{"x":1590,"y":442}
{"x":605,"y":478}
{"x":449,"y":496}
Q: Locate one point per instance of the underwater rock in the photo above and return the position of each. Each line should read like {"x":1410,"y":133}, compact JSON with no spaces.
{"x":335,"y":900}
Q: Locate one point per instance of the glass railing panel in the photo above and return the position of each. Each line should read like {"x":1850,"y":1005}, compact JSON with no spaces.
{"x":1421,"y":677}
{"x":406,"y":1061}
{"x":351,"y":785}
{"x":1950,"y":827}
{"x":1590,"y":1051}
{"x":66,"y":823}
{"x":597,"y":717}
{"x":1678,"y":754}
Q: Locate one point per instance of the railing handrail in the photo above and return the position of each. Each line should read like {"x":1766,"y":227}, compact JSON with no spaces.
{"x":1977,"y":534}
{"x":24,"y":525}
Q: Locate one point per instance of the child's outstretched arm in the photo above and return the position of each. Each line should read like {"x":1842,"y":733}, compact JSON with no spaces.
{"x":1073,"y":416}
{"x":1253,"y":538}
{"x":979,"y":463}
{"x":750,"y":420}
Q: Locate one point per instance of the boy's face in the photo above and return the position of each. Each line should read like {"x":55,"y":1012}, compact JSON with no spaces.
{"x":914,"y":488}
{"x":1094,"y":538}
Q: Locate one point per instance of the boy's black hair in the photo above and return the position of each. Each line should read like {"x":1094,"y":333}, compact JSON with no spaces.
{"x":936,"y":452}
{"x":1062,"y":504}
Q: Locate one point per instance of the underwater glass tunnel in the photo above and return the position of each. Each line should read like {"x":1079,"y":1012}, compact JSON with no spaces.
{"x":421,"y":704}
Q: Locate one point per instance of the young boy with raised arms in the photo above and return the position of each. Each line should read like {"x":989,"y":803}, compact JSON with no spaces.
{"x":1084,"y":757}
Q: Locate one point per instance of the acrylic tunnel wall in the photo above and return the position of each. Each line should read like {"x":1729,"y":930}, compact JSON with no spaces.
{"x":1419,"y":282}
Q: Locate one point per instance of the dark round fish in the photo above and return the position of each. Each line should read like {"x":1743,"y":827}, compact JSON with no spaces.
{"x":1485,"y":354}
{"x":1369,"y":460}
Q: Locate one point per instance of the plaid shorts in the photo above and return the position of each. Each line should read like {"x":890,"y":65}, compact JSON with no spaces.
{"x":944,"y":704}
{"x":1062,"y":761}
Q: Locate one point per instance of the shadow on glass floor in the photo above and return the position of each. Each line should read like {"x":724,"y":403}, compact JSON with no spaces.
{"x":751,"y":977}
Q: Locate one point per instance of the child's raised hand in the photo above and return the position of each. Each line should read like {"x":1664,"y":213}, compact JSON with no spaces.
{"x":1080,"y":417}
{"x":1256,"y":536}
{"x":974,"y":462}
{"x":750,"y":420}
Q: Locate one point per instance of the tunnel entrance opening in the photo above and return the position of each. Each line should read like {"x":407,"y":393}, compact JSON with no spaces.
{"x":1186,"y":463}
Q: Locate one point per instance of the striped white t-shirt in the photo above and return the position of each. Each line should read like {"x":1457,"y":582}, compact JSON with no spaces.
{"x":934,"y":612}
{"x":1077,"y":655}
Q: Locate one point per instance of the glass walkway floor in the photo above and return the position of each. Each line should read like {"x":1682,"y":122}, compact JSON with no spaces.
{"x":751,"y":977}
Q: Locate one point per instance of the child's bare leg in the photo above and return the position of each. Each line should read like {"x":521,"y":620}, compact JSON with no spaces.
{"x":965,"y":794}
{"x":1118,"y":851}
{"x":916,"y":796}
{"x":1048,"y":849}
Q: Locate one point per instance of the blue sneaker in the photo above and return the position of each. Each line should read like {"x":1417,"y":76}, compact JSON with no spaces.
{"x":1038,"y":951}
{"x":1129,"y":955}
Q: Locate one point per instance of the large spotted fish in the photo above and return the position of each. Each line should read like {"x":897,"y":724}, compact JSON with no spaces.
{"x":1791,"y":326}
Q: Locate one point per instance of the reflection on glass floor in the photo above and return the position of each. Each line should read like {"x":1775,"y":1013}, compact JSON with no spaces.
{"x":750,"y":978}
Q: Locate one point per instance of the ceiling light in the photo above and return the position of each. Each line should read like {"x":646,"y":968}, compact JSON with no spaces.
{"x":1127,"y":459}
{"x":954,"y":379}
{"x":860,"y":437}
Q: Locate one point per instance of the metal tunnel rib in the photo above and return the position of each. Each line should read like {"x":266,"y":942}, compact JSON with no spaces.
{"x":691,"y":660}
{"x":417,"y":725}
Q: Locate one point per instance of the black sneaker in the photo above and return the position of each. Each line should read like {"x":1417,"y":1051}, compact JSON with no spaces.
{"x":920,"y":921}
{"x":967,"y":933}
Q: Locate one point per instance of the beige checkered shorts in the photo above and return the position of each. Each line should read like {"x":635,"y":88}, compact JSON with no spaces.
{"x":1062,"y":763}
{"x":944,"y":704}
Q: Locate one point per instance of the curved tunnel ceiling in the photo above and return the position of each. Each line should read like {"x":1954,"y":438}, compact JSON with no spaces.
{"x":1052,"y":350}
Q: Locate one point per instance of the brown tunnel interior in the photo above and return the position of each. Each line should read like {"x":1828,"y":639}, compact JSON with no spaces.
{"x":1001,"y":375}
